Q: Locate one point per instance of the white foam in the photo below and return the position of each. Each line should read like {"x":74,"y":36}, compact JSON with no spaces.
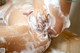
{"x":56,"y":51}
{"x":53,"y":2}
{"x":2,"y":40}
{"x":15,"y":52}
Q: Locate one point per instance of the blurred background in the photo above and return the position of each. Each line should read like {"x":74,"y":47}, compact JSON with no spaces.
{"x":75,"y":17}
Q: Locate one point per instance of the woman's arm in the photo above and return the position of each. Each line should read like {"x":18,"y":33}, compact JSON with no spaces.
{"x":65,"y":6}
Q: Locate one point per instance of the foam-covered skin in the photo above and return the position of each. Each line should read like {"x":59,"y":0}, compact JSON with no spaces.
{"x":52,"y":8}
{"x":22,"y":39}
{"x":22,"y":36}
{"x":20,"y":33}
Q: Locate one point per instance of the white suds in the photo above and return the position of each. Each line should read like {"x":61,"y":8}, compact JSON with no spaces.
{"x":15,"y":52}
{"x":56,"y":51}
{"x":2,"y":40}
